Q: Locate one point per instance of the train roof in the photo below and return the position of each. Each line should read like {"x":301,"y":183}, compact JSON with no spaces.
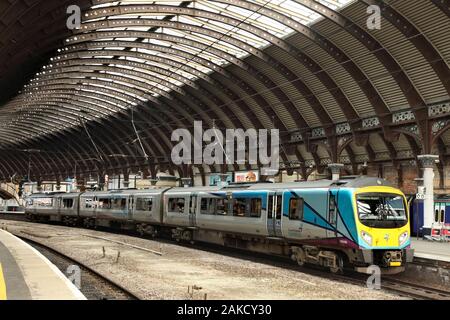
{"x":350,"y":182}
{"x":346,"y":182}
{"x":156,"y":190}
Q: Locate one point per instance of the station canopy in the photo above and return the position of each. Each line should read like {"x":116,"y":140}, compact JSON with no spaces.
{"x":108,"y":95}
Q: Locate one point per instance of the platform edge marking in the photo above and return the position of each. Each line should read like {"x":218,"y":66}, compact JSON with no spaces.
{"x":2,"y":285}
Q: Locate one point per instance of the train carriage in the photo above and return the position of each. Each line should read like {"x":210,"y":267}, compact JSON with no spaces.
{"x":42,"y":206}
{"x":67,"y":204}
{"x":353,"y":222}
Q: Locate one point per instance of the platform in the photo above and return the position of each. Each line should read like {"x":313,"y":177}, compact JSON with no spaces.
{"x":25,"y":274}
{"x":431,"y":250}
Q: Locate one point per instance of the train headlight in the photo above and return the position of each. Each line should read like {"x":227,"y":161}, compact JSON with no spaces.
{"x":366,"y":237}
{"x":403,"y":238}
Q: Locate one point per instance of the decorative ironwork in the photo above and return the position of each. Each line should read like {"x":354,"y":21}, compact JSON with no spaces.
{"x":438,"y":126}
{"x":343,"y":128}
{"x":439,"y":109}
{"x":403,"y":116}
{"x":318,"y":132}
{"x":371,"y":122}
{"x":296,"y":137}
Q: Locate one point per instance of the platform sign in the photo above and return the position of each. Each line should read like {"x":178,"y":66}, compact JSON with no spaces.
{"x":420,"y":196}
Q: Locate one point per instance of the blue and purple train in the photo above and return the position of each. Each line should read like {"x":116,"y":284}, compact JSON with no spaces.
{"x":335,"y":224}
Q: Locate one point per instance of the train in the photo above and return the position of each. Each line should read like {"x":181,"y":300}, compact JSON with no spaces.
{"x":441,"y":222}
{"x":352,"y":223}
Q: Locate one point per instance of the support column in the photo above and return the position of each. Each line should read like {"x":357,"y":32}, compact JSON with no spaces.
{"x":126,"y":179}
{"x":101,"y":181}
{"x":428,"y":162}
{"x":335,"y":169}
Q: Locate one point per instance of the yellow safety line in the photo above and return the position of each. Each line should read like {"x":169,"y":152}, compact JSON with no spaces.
{"x":2,"y":285}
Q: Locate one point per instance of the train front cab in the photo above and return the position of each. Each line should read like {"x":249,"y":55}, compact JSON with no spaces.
{"x":383,"y":227}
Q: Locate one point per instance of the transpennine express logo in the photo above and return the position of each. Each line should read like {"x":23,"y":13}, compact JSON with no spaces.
{"x":208,"y":147}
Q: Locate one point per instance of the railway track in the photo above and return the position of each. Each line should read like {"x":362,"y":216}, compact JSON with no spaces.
{"x":94,"y":285}
{"x":389,"y":283}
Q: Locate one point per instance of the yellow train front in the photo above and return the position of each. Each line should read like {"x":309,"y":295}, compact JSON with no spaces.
{"x":354,"y":223}
{"x":382,"y":223}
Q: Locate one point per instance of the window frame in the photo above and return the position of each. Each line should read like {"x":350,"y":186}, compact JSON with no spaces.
{"x":300,"y":210}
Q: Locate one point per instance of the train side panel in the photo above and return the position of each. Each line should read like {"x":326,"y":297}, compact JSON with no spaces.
{"x":147,"y":207}
{"x":176,"y":209}
{"x":246,"y":212}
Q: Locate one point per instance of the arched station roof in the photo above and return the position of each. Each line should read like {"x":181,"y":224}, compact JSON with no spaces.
{"x":107,"y":97}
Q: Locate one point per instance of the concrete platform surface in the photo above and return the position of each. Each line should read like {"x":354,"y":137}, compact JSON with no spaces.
{"x":25,"y":274}
{"x":431,"y":250}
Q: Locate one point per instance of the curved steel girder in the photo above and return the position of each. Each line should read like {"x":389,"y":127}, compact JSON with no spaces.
{"x":268,"y":83}
{"x":74,"y":146}
{"x":135,"y":64}
{"x":410,"y":92}
{"x":83,"y":68}
{"x":42,"y":17}
{"x":345,"y":105}
{"x":322,"y":113}
{"x":259,"y":76}
{"x":73,"y":105}
{"x":129,"y":64}
{"x":444,"y":5}
{"x":70,"y":102}
{"x":186,"y":27}
{"x":13,"y":165}
{"x":99,"y":93}
{"x":114,"y":86}
{"x":31,"y":129}
{"x":87,"y":97}
{"x":246,"y":86}
{"x":31,"y":31}
{"x":300,"y":56}
{"x":423,"y":45}
{"x":50,"y":140}
{"x":123,"y":79}
{"x":209,"y":94}
{"x":52,"y":118}
{"x":391,"y":149}
{"x":80,"y":52}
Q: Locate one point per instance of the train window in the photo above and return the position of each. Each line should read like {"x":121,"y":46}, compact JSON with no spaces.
{"x":144,"y":204}
{"x":104,"y":203}
{"x":270,"y":207}
{"x":43,"y":202}
{"x":67,"y":203}
{"x":255,"y":207}
{"x":332,"y":210}
{"x":222,"y":206}
{"x":118,"y":204}
{"x":442,"y":216}
{"x":279,"y":207}
{"x":207,"y":206}
{"x":296,"y":209}
{"x":239,"y":207}
{"x":436,"y":215}
{"x":176,"y":205}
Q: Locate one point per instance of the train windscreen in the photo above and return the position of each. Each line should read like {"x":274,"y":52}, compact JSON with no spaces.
{"x":382,"y":210}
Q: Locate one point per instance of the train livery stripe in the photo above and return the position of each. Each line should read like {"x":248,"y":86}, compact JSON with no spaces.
{"x":340,"y":216}
{"x":2,"y":285}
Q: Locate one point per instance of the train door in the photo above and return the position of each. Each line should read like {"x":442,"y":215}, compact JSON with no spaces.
{"x":192,"y":210}
{"x":332,"y":216}
{"x":130,"y":207}
{"x":274,"y":214}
